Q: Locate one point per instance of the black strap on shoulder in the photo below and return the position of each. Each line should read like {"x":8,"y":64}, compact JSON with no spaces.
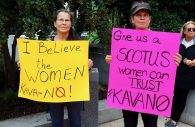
{"x":52,"y":38}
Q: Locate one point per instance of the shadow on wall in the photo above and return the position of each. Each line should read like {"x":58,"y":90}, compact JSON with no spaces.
{"x":2,"y":73}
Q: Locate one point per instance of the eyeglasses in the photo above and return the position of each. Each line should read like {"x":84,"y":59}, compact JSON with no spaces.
{"x":63,"y":20}
{"x":191,"y":29}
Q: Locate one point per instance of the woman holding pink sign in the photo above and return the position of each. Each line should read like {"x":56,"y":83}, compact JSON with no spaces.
{"x":185,"y":73}
{"x":141,"y":18}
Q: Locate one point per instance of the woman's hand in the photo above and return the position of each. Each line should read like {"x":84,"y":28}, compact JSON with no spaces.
{"x":177,"y":58}
{"x":108,"y":59}
{"x":192,"y":64}
{"x":90,"y":63}
{"x":188,"y":62}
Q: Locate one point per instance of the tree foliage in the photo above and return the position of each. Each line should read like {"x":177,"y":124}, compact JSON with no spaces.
{"x":102,"y":15}
{"x":23,"y":17}
{"x":26,"y":17}
{"x":171,"y":15}
{"x":93,"y":16}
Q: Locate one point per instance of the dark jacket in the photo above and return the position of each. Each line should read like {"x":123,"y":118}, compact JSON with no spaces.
{"x":185,"y":77}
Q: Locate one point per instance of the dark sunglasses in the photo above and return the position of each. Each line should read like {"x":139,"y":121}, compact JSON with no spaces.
{"x":191,"y":29}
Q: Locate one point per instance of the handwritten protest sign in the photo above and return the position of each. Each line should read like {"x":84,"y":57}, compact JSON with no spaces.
{"x":53,"y":71}
{"x":142,"y":71}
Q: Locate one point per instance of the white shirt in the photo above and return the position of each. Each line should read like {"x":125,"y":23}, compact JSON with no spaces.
{"x":187,"y":44}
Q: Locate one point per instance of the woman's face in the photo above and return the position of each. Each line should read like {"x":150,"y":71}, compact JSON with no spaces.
{"x":141,"y":20}
{"x":189,"y":30}
{"x":63,"y":22}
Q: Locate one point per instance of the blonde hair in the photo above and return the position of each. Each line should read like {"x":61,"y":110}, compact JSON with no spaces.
{"x":183,"y":28}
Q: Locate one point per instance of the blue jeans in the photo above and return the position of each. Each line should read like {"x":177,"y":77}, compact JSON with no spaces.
{"x":56,"y":111}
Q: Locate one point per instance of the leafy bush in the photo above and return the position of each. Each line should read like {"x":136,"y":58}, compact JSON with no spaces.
{"x":165,"y":19}
{"x":93,"y":37}
{"x":8,"y":94}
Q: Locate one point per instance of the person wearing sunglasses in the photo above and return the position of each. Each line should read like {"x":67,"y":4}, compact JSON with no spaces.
{"x":191,"y":29}
{"x":185,"y":73}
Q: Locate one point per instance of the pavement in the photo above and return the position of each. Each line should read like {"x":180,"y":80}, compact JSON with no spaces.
{"x":119,"y":123}
{"x":106,"y":118}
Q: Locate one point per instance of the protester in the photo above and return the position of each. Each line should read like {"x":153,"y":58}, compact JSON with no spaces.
{"x":63,"y":23}
{"x":185,"y":73}
{"x":141,"y":18}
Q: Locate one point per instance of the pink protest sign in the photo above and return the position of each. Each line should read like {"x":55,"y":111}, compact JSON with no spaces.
{"x":142,"y":71}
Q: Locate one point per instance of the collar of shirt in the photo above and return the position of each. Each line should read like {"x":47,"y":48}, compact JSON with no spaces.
{"x":187,"y":44}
